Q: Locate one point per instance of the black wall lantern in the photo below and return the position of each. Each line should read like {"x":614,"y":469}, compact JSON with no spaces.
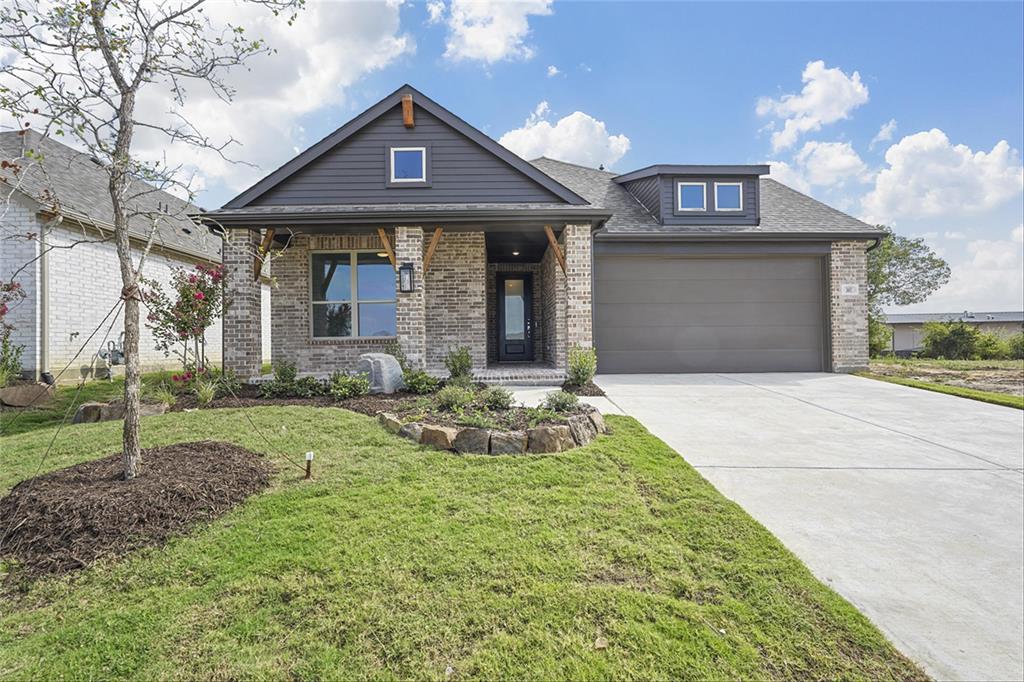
{"x":405,"y":281}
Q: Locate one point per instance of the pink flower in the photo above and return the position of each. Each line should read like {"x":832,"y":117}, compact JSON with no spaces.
{"x":200,"y":296}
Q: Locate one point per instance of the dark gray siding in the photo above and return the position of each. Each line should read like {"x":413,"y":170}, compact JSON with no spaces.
{"x":648,"y":192}
{"x":670,"y":216}
{"x":354,"y":172}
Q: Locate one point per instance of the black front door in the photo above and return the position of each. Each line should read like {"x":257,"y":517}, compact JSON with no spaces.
{"x":515,"y":316}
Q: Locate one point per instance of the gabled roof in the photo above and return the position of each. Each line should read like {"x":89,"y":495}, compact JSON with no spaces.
{"x":710,"y":170}
{"x":79,"y":184}
{"x":373,"y":113}
{"x":785,"y":213}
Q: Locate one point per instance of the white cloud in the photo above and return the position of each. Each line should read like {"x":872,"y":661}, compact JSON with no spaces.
{"x":926,"y":175}
{"x":435,"y":11}
{"x":553,"y":71}
{"x":954,"y":235}
{"x":491,"y":30}
{"x":884,"y":133}
{"x":789,"y":175}
{"x":577,"y":138}
{"x":991,"y":278}
{"x":330,"y":47}
{"x":828,"y":95}
{"x":585,"y":67}
{"x":830,"y":163}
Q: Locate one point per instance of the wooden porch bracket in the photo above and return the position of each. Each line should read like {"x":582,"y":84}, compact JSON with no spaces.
{"x":430,"y":249}
{"x":257,"y":266}
{"x":555,"y":248}
{"x":387,"y":246}
{"x":407,"y":115}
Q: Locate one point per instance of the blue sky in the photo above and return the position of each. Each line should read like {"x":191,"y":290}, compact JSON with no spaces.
{"x":640,"y":83}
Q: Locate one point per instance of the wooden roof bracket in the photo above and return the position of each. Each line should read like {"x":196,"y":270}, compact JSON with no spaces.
{"x":386,"y":243}
{"x":261,"y":255}
{"x":433,"y":247}
{"x":555,"y":248}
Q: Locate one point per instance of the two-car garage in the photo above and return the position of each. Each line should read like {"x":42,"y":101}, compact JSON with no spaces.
{"x":710,"y":312}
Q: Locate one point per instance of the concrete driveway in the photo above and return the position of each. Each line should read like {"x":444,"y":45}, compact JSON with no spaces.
{"x":908,"y":503}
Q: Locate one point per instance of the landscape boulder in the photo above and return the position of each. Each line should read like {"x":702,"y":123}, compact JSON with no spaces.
{"x":473,"y":440}
{"x":24,"y":395}
{"x":412,"y":431}
{"x":553,"y":438}
{"x":383,"y":372}
{"x":390,"y":422}
{"x":103,"y":412}
{"x":508,"y":442}
{"x":441,"y":437}
{"x":598,"y":421}
{"x":88,"y":413}
{"x":583,"y":430}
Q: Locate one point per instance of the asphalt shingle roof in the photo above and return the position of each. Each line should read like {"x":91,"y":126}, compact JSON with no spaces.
{"x":783,"y":210}
{"x":79,"y":184}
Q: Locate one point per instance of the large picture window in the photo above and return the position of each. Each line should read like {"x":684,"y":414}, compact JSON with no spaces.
{"x":353,"y":294}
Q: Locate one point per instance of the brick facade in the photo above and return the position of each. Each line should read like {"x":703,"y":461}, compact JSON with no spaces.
{"x":455,"y":298}
{"x":553,"y":307}
{"x":579,"y":293}
{"x":848,"y":305}
{"x":243,"y":311}
{"x":20,"y":253}
{"x":411,"y":312}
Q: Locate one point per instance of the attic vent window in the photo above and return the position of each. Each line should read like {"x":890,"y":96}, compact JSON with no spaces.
{"x":728,"y":196}
{"x":408,"y":164}
{"x":692,"y":196}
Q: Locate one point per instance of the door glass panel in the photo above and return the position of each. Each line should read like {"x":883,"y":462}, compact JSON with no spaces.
{"x":515,"y":310}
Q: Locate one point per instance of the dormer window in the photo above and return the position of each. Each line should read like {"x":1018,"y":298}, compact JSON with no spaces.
{"x":692,"y":196}
{"x":728,"y":196}
{"x":407,"y":165}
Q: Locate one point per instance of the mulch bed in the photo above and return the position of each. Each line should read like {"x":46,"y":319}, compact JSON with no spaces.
{"x":587,"y":389}
{"x":64,"y":520}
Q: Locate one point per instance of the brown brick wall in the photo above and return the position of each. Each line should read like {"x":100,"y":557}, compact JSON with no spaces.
{"x":242,"y":334}
{"x":455,"y":298}
{"x":553,"y":304}
{"x":848,"y":305}
{"x":579,"y":294}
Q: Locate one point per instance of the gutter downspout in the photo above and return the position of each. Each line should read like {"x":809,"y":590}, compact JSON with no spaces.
{"x":44,"y":304}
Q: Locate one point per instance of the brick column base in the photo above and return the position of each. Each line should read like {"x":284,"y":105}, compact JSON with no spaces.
{"x":410,"y":313}
{"x":848,"y":305}
{"x":242,"y":328}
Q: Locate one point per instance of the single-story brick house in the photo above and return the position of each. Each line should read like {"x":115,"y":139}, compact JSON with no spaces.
{"x":69,"y":267}
{"x":407,"y":224}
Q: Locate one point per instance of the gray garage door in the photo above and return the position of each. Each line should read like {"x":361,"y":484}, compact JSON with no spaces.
{"x":709,"y":314}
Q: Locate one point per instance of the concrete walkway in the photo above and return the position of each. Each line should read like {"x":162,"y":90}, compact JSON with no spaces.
{"x":909,"y":503}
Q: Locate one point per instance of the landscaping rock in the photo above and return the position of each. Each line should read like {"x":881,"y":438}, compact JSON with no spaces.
{"x":598,"y":421}
{"x":441,"y":437}
{"x":111,"y":411}
{"x":583,"y":430}
{"x":412,"y":431}
{"x":24,"y":395}
{"x":383,"y":371}
{"x":390,"y":422}
{"x":473,"y":440}
{"x":550,"y":439}
{"x":508,"y":442}
{"x":88,"y":413}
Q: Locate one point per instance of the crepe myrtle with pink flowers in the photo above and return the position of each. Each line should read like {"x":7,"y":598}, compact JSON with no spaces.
{"x":179,"y":324}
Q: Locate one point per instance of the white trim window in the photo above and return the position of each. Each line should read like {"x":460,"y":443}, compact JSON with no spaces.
{"x":691,"y":196}
{"x":731,"y":199}
{"x":408,"y":164}
{"x":352,"y":294}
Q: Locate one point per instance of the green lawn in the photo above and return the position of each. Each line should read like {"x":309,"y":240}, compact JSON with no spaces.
{"x":1004,"y":399}
{"x":399,"y":562}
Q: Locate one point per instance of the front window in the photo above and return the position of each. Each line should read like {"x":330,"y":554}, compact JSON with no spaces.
{"x":408,"y":164}
{"x":692,"y":196}
{"x":353,"y":294}
{"x":728,"y":196}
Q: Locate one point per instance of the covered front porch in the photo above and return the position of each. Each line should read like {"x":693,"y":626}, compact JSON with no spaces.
{"x":516,"y":296}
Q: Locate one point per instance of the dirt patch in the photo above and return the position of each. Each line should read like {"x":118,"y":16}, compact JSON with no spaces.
{"x":1008,"y":380}
{"x":67,"y":519}
{"x":587,"y":389}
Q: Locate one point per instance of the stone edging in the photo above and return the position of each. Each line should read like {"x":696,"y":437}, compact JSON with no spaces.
{"x":578,"y":430}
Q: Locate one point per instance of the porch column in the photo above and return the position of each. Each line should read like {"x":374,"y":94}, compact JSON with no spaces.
{"x":579,"y":294}
{"x":242,"y":324}
{"x":410,"y":313}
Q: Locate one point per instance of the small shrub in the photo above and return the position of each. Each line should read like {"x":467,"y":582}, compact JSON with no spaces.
{"x":464,"y":381}
{"x":164,"y":394}
{"x":539,"y":415}
{"x":454,"y":398}
{"x":496,"y":398}
{"x":459,"y":362}
{"x":394,"y":348}
{"x":285,"y":372}
{"x":478,"y":420}
{"x":10,"y":360}
{"x":955,"y":340}
{"x":991,"y":347}
{"x":418,"y":381}
{"x":561,"y":401}
{"x":206,"y":391}
{"x":228,"y":383}
{"x":1016,"y":343}
{"x":582,"y":365}
{"x":308,"y":387}
{"x":344,"y":386}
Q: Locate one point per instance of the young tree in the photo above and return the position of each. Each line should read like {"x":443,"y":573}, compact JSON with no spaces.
{"x":76,"y":68}
{"x":901,"y":271}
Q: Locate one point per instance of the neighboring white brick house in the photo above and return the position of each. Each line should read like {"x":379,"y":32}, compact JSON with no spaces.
{"x":72,"y":278}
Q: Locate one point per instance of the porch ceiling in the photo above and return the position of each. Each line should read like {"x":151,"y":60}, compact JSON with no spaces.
{"x":516,"y":246}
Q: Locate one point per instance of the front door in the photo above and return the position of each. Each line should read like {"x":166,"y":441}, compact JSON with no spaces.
{"x":515,"y":316}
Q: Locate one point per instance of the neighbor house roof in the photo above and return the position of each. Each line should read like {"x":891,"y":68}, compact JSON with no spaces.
{"x":784,"y":211}
{"x":967,"y":316}
{"x":78,"y":183}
